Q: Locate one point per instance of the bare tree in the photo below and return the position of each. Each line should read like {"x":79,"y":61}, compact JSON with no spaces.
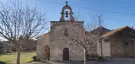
{"x":81,"y":38}
{"x":84,"y":38}
{"x":19,"y":24}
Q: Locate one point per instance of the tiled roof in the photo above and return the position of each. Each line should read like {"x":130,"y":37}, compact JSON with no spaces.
{"x":115,"y":31}
{"x":103,"y":30}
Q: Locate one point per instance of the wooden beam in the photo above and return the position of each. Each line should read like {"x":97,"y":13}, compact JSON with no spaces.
{"x":131,"y":33}
{"x":131,"y":39}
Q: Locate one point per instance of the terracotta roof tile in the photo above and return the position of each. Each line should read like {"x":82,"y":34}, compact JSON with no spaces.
{"x":115,"y":31}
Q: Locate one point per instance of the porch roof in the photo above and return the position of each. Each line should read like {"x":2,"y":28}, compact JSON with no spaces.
{"x":110,"y":33}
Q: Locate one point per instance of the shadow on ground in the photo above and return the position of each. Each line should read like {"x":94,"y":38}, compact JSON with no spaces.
{"x":2,"y":62}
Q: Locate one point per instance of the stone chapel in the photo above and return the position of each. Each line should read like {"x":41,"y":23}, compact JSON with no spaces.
{"x":56,"y":41}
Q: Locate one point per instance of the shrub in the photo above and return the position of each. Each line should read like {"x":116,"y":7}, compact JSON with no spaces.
{"x":92,"y":57}
{"x":35,"y":58}
{"x":101,"y":58}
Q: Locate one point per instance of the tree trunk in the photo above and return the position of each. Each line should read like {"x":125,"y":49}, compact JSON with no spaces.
{"x":85,"y":56}
{"x":18,"y":54}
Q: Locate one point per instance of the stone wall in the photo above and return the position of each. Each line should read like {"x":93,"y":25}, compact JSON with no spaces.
{"x":41,"y":42}
{"x":58,"y":41}
{"x":117,"y":46}
{"x":122,"y":47}
{"x":133,"y":45}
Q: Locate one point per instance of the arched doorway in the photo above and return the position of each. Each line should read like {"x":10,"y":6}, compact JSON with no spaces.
{"x":47,"y":52}
{"x":65,"y":54}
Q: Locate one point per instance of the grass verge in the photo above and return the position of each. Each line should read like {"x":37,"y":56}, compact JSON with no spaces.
{"x":10,"y":58}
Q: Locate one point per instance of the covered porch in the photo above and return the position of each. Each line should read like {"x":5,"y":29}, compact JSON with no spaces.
{"x":122,"y":42}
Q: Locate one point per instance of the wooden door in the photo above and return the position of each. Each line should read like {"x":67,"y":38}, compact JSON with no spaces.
{"x":65,"y":54}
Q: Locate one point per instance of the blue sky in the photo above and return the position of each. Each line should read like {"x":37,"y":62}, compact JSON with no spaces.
{"x":115,"y":13}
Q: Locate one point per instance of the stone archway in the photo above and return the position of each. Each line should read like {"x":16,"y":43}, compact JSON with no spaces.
{"x":65,"y":54}
{"x":47,"y":52}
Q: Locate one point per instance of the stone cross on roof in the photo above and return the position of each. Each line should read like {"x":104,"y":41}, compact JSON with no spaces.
{"x":66,"y":2}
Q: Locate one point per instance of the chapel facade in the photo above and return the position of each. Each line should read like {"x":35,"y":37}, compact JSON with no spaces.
{"x":57,"y":40}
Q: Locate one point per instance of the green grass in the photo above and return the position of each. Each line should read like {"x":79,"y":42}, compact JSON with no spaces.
{"x":10,"y":58}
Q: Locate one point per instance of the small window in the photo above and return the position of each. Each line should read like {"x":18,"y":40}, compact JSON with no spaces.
{"x":66,"y":32}
{"x":126,"y":43}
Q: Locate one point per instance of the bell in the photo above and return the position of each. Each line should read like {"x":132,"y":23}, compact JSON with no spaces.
{"x":66,"y":13}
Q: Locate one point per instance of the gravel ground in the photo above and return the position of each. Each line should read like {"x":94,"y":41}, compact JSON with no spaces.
{"x":122,"y":61}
